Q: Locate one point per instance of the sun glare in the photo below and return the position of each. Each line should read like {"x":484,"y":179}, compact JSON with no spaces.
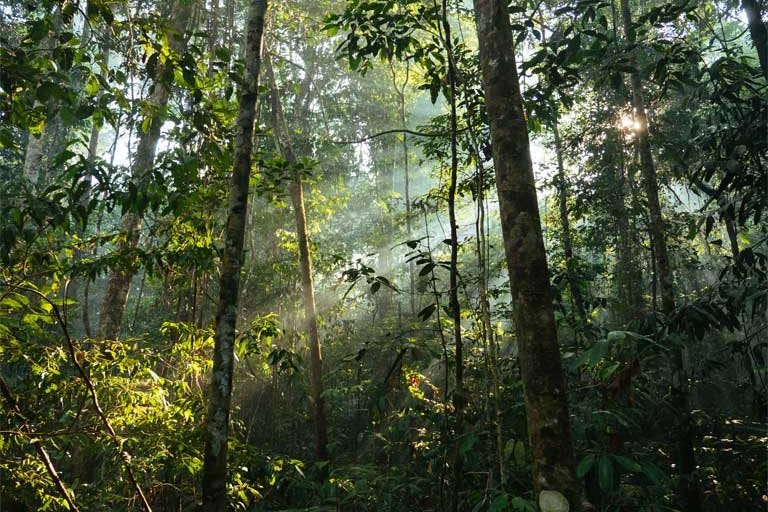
{"x":629,"y":123}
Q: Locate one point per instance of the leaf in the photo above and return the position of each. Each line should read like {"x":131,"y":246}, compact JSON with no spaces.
{"x":653,"y":473}
{"x":605,"y":473}
{"x":628,"y":464}
{"x":426,"y":269}
{"x":585,"y":465}
{"x":39,"y":30}
{"x":519,"y":453}
{"x":425,"y":313}
{"x":6,"y":138}
{"x":46,"y":90}
{"x":499,"y":503}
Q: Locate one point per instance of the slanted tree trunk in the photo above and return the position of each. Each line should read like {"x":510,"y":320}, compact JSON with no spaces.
{"x":296,"y":189}
{"x":219,"y":402}
{"x":539,"y":353}
{"x":119,"y":280}
{"x":689,"y":489}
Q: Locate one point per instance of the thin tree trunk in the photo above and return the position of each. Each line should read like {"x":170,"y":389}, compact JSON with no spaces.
{"x":689,"y":489}
{"x":539,"y":353}
{"x":565,"y":225}
{"x":219,"y":404}
{"x":407,"y":175}
{"x":119,"y":280}
{"x":296,"y":189}
{"x":455,"y":307}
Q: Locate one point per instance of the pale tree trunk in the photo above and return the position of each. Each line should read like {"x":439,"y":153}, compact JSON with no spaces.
{"x":219,"y":401}
{"x":296,"y":189}
{"x":407,"y":175}
{"x":119,"y":280}
{"x":33,"y":159}
{"x":539,"y":353}
{"x":686,"y":462}
{"x":42,"y":148}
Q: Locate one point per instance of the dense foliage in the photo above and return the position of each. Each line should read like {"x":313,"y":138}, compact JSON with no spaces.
{"x":117,"y":142}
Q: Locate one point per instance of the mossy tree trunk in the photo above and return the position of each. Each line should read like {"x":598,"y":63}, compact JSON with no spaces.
{"x":219,"y":401}
{"x":539,"y":353}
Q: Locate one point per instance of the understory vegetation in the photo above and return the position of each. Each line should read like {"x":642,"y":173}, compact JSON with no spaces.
{"x":383,"y":255}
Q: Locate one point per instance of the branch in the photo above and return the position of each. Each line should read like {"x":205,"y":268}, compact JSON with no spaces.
{"x":388,"y":132}
{"x":126,"y":458}
{"x":13,"y":405}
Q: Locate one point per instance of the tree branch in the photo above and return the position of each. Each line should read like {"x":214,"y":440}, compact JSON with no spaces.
{"x":13,"y":405}
{"x":388,"y":132}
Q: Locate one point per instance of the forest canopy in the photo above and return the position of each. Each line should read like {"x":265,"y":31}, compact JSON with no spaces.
{"x":383,"y":255}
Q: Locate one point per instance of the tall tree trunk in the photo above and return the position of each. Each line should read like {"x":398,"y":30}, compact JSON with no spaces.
{"x":454,"y":306}
{"x":758,"y":30}
{"x":296,"y":189}
{"x":539,"y":353}
{"x":219,"y":404}
{"x":689,"y":489}
{"x":400,"y":91}
{"x":119,"y":280}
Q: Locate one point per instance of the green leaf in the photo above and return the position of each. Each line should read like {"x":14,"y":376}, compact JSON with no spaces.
{"x":6,"y":138}
{"x":585,"y":465}
{"x":92,"y":86}
{"x":519,"y":452}
{"x":499,"y":503}
{"x":46,"y":90}
{"x":605,"y":473}
{"x":39,"y":30}
{"x":425,"y":313}
{"x":628,"y":464}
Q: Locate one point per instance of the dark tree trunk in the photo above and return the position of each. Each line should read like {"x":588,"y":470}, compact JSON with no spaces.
{"x":543,"y":383}
{"x":217,"y":419}
{"x":689,"y":489}
{"x":758,"y":31}
{"x":119,"y":280}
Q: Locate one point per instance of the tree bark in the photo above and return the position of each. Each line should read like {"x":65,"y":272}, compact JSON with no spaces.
{"x":758,"y":31}
{"x":689,"y":489}
{"x":539,"y":353}
{"x":219,"y":404}
{"x":119,"y":281}
{"x":296,"y":190}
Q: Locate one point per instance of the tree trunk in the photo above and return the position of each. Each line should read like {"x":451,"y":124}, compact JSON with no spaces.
{"x":217,"y":420}
{"x":119,"y":280}
{"x":296,"y":189}
{"x":454,"y":306}
{"x":689,"y":489}
{"x":758,"y":31}
{"x":565,"y":225}
{"x":543,"y":382}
